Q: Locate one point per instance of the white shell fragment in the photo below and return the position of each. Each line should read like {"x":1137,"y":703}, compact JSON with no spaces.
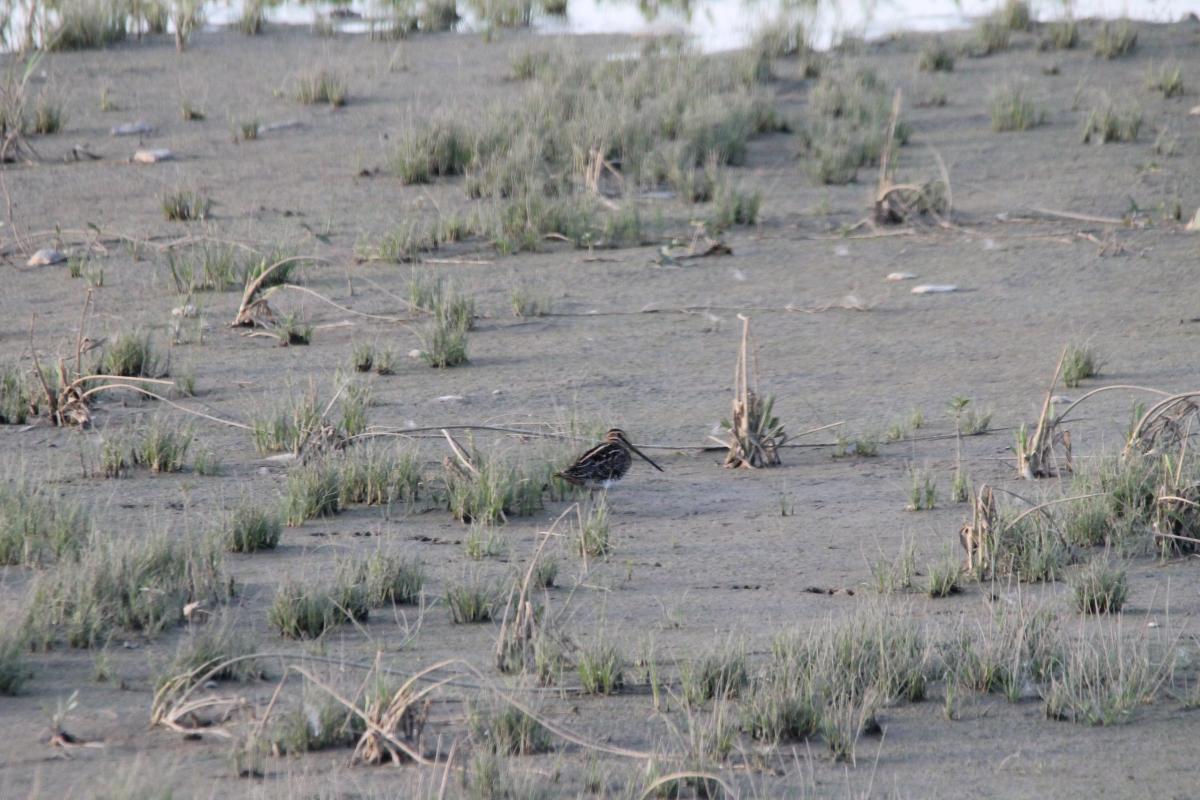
{"x":187,"y":311}
{"x":279,"y":126}
{"x":1194,"y":222}
{"x":414,"y":353}
{"x":45,"y":257}
{"x":451,"y":398}
{"x":901,"y":276}
{"x":934,"y":288}
{"x":1195,"y":112}
{"x":841,"y":251}
{"x":1061,"y":400}
{"x":153,"y":156}
{"x":133,"y":128}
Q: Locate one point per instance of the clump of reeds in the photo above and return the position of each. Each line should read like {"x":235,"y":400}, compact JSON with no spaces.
{"x":313,"y":490}
{"x":935,"y":56}
{"x":162,"y":446}
{"x":86,"y":24}
{"x":249,"y":528}
{"x":1062,"y":35}
{"x":437,"y":149}
{"x":141,"y":585}
{"x":387,"y":579}
{"x":1012,"y":110}
{"x":1168,"y":79}
{"x":1115,"y":39}
{"x":301,"y":611}
{"x":1100,"y":588}
{"x":485,"y":488}
{"x":601,"y":667}
{"x":755,"y":434}
{"x":1080,"y":364}
{"x":16,"y":400}
{"x":38,"y":527}
{"x":185,"y":205}
{"x":472,"y":600}
{"x":321,"y":86}
{"x":1106,"y":122}
{"x":992,"y":35}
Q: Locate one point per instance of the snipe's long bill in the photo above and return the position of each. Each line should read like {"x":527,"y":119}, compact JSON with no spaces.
{"x":604,"y":464}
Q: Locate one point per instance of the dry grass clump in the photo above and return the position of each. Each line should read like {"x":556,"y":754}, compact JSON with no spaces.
{"x":944,"y":577}
{"x":1104,"y":679}
{"x":592,"y":531}
{"x":1062,"y":35}
{"x":601,"y":668}
{"x":1168,"y":79}
{"x":300,"y":611}
{"x":507,"y":731}
{"x":320,"y":86}
{"x":249,"y":528}
{"x":1015,"y":15}
{"x":14,"y":672}
{"x":132,"y":355}
{"x":721,"y":672}
{"x":162,"y":446}
{"x":36,"y":527}
{"x":755,"y":434}
{"x":438,"y":15}
{"x":1015,"y":648}
{"x":664,"y":114}
{"x":322,"y":723}
{"x":527,"y":303}
{"x":472,"y":600}
{"x":313,"y":490}
{"x":16,"y":401}
{"x":218,"y":650}
{"x":441,"y":148}
{"x":1011,"y":109}
{"x":185,"y":205}
{"x":305,"y":421}
{"x":444,"y":343}
{"x":935,"y":56}
{"x":1100,"y":588}
{"x":1079,"y":364}
{"x":849,"y":125}
{"x":86,"y":24}
{"x":48,"y":116}
{"x":1028,"y":547}
{"x":1115,"y":39}
{"x":217,"y":267}
{"x":375,"y":475}
{"x":253,"y":18}
{"x":485,"y":488}
{"x":1106,"y":122}
{"x":369,"y":357}
{"x":992,"y":35}
{"x":385,"y":578}
{"x":142,"y":585}
{"x":834,"y":678}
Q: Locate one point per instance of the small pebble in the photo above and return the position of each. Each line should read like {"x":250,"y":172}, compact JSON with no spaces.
{"x":901,"y":276}
{"x":1194,"y":223}
{"x":1195,"y":112}
{"x":188,"y":311}
{"x":45,"y":257}
{"x":1061,"y":400}
{"x":841,"y":251}
{"x":990,"y":244}
{"x":153,"y":156}
{"x":451,"y":398}
{"x":738,"y":275}
{"x":414,"y":353}
{"x":497,"y":391}
{"x":934,"y":288}
{"x":133,"y":128}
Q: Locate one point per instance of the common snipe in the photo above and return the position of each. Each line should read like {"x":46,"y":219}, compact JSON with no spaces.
{"x":604,"y":464}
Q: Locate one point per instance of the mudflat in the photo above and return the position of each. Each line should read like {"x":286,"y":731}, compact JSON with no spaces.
{"x":1047,"y":240}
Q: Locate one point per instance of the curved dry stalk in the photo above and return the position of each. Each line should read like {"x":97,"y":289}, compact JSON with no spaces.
{"x":397,"y":320}
{"x":1157,"y":412}
{"x":1043,"y":506}
{"x":652,"y":789}
{"x":250,"y":299}
{"x":171,"y":403}
{"x":1127,"y":387}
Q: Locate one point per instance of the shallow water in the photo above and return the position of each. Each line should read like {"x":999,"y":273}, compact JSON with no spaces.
{"x":727,"y":24}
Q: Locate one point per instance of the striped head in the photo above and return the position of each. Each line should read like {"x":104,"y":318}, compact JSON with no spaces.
{"x":617,"y":436}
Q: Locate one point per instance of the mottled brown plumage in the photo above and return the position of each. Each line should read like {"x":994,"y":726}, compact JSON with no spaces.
{"x":604,"y":464}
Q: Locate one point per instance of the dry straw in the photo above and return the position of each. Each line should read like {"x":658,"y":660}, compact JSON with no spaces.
{"x":755,"y":434}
